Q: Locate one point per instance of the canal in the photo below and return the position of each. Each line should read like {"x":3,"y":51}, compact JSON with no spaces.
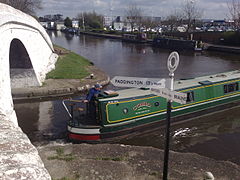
{"x":215,"y":135}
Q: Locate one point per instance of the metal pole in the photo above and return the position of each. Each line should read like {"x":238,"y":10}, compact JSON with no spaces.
{"x":167,"y":134}
{"x":72,"y":105}
{"x":83,"y":22}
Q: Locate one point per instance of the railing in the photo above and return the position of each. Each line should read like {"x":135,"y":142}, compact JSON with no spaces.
{"x":85,"y":115}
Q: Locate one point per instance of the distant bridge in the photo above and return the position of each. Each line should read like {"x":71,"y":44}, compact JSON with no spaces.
{"x":26,"y":55}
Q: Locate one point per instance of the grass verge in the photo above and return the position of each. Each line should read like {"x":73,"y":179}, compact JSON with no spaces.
{"x":69,"y":65}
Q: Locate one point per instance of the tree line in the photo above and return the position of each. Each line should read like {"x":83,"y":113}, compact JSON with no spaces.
{"x":189,"y":12}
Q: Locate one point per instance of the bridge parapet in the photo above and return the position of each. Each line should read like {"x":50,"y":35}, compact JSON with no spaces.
{"x":23,"y":41}
{"x":19,"y":159}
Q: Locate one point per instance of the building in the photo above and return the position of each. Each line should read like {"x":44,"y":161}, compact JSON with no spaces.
{"x":107,"y":21}
{"x":75,"y":23}
{"x":59,"y":25}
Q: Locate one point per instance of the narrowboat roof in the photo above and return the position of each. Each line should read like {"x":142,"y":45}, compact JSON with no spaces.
{"x":179,"y":84}
{"x":206,"y":80}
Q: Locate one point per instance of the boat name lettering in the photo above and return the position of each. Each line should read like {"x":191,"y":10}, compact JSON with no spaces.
{"x":141,"y":112}
{"x":141,"y":105}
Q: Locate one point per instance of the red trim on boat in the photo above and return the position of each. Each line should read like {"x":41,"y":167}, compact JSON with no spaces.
{"x":83,"y":137}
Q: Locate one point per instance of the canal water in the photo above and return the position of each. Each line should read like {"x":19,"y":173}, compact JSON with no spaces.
{"x":215,"y":135}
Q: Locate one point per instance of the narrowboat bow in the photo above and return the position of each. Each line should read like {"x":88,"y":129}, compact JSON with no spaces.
{"x":130,"y":111}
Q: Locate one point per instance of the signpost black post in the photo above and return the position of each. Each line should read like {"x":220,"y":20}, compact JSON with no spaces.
{"x":173,"y":61}
{"x":167,"y":140}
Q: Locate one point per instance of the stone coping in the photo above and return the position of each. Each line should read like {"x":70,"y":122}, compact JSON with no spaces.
{"x":62,"y":87}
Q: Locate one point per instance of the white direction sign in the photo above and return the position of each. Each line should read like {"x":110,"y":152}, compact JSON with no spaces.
{"x":171,"y":95}
{"x":122,"y":81}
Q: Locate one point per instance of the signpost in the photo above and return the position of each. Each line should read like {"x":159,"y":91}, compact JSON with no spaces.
{"x":123,"y":81}
{"x":171,"y":95}
{"x":173,"y":61}
{"x":158,"y":87}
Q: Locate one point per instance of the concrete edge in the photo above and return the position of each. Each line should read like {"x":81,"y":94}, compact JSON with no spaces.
{"x":38,"y":93}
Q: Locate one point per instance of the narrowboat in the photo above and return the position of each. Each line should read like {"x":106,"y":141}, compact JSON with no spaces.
{"x":136,"y":38}
{"x":177,"y":44}
{"x":132,"y":111}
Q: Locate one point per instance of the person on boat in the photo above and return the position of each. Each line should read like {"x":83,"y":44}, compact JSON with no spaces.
{"x":90,"y":99}
{"x":93,"y":93}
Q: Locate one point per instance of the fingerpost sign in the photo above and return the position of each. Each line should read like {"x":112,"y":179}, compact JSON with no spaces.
{"x":171,"y":95}
{"x":137,"y":82}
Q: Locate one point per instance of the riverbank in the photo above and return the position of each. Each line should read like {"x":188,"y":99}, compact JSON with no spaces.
{"x":111,"y":36}
{"x":65,"y":83}
{"x":207,"y":46}
{"x":121,"y":162}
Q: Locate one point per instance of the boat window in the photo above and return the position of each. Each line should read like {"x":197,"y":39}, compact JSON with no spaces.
{"x":231,"y":87}
{"x":190,"y":96}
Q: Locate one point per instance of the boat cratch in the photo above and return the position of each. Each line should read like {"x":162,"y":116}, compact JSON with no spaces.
{"x":126,"y":112}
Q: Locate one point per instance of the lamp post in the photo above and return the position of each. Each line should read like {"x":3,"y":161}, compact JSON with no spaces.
{"x":83,"y":22}
{"x":172,"y":63}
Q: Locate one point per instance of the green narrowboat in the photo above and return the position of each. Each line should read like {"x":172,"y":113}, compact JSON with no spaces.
{"x":131,"y":111}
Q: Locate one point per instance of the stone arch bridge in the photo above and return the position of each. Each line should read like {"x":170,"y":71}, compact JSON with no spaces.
{"x":26,"y":55}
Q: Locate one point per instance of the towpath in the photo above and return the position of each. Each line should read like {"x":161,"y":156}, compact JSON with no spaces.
{"x":121,"y":162}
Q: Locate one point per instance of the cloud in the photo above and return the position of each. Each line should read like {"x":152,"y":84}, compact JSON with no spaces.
{"x":212,"y":9}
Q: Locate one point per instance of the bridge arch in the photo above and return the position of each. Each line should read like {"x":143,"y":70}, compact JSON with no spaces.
{"x":25,"y":50}
{"x":21,"y":70}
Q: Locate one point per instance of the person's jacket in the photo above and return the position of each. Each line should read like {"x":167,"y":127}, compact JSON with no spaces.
{"x":92,"y":94}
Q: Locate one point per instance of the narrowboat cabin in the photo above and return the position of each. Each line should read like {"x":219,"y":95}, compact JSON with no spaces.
{"x":130,"y":111}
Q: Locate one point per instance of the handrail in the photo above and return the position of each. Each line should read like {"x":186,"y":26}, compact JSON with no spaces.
{"x":64,"y":105}
{"x":70,"y":100}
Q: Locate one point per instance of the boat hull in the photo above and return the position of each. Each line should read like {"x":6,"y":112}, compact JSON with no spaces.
{"x":148,"y":124}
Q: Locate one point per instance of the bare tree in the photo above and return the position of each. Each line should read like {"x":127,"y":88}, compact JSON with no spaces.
{"x":174,"y":20}
{"x":234,"y":11}
{"x":27,"y":6}
{"x":191,"y":13}
{"x":148,"y":23}
{"x":134,"y":16}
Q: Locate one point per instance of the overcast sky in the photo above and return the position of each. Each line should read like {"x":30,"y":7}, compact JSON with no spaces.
{"x":212,"y":9}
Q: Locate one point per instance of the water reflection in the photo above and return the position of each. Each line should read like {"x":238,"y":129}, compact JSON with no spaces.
{"x":215,"y":136}
{"x":69,"y":37}
{"x":42,"y":121}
